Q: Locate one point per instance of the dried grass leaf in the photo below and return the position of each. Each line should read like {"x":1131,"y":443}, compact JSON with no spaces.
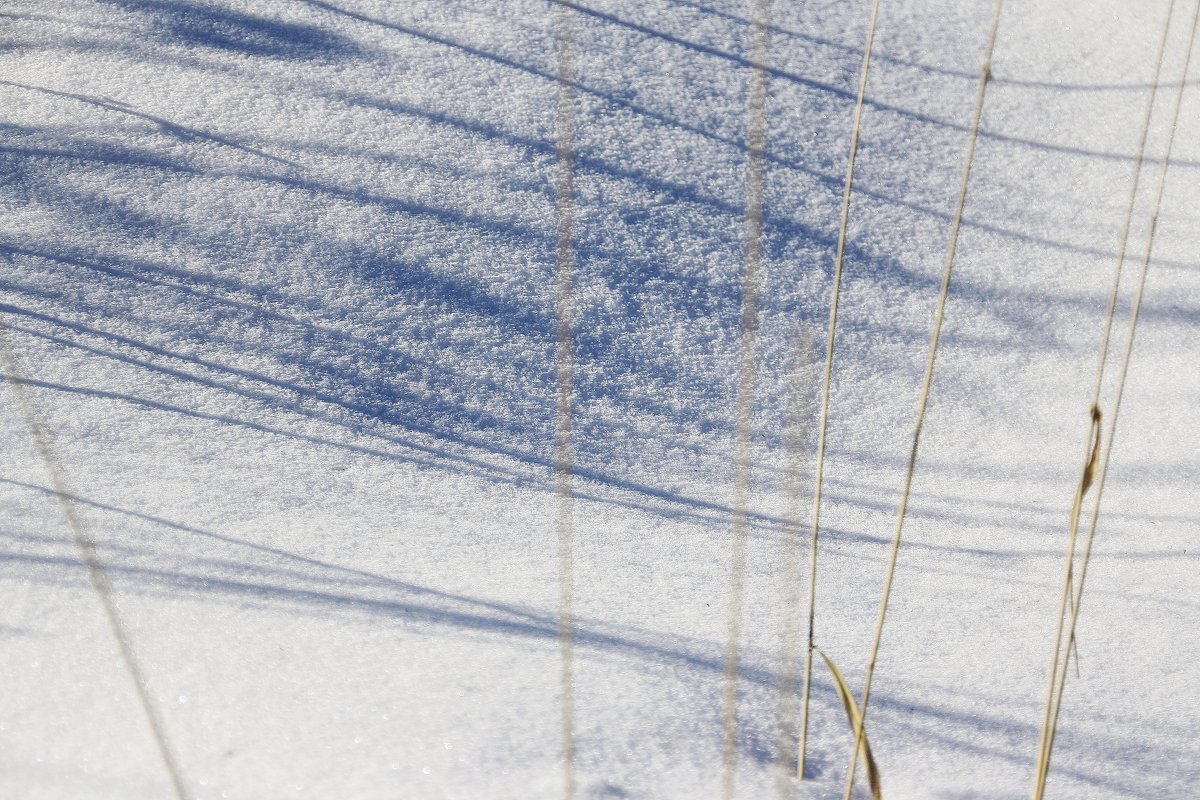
{"x":855,"y":723}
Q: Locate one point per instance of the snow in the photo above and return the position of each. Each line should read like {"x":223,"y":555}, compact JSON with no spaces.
{"x":280,"y":273}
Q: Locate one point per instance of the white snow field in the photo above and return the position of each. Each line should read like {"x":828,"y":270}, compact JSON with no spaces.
{"x":280,"y":278}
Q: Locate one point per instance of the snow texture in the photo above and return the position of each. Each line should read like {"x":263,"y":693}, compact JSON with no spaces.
{"x":281,"y":277}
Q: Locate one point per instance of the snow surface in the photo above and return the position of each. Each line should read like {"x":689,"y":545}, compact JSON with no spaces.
{"x":281,"y":276}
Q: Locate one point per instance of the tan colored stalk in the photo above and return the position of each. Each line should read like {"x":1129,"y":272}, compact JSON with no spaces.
{"x":1058,"y":673}
{"x":564,"y":190}
{"x":823,"y":424}
{"x":926,"y":383}
{"x":747,"y":360}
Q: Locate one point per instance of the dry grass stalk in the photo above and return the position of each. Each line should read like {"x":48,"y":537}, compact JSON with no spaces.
{"x":856,"y":726}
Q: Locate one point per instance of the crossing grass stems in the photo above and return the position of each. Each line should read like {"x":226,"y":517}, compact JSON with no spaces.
{"x":927,"y":381}
{"x":1072,"y":589}
{"x":823,"y":424}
